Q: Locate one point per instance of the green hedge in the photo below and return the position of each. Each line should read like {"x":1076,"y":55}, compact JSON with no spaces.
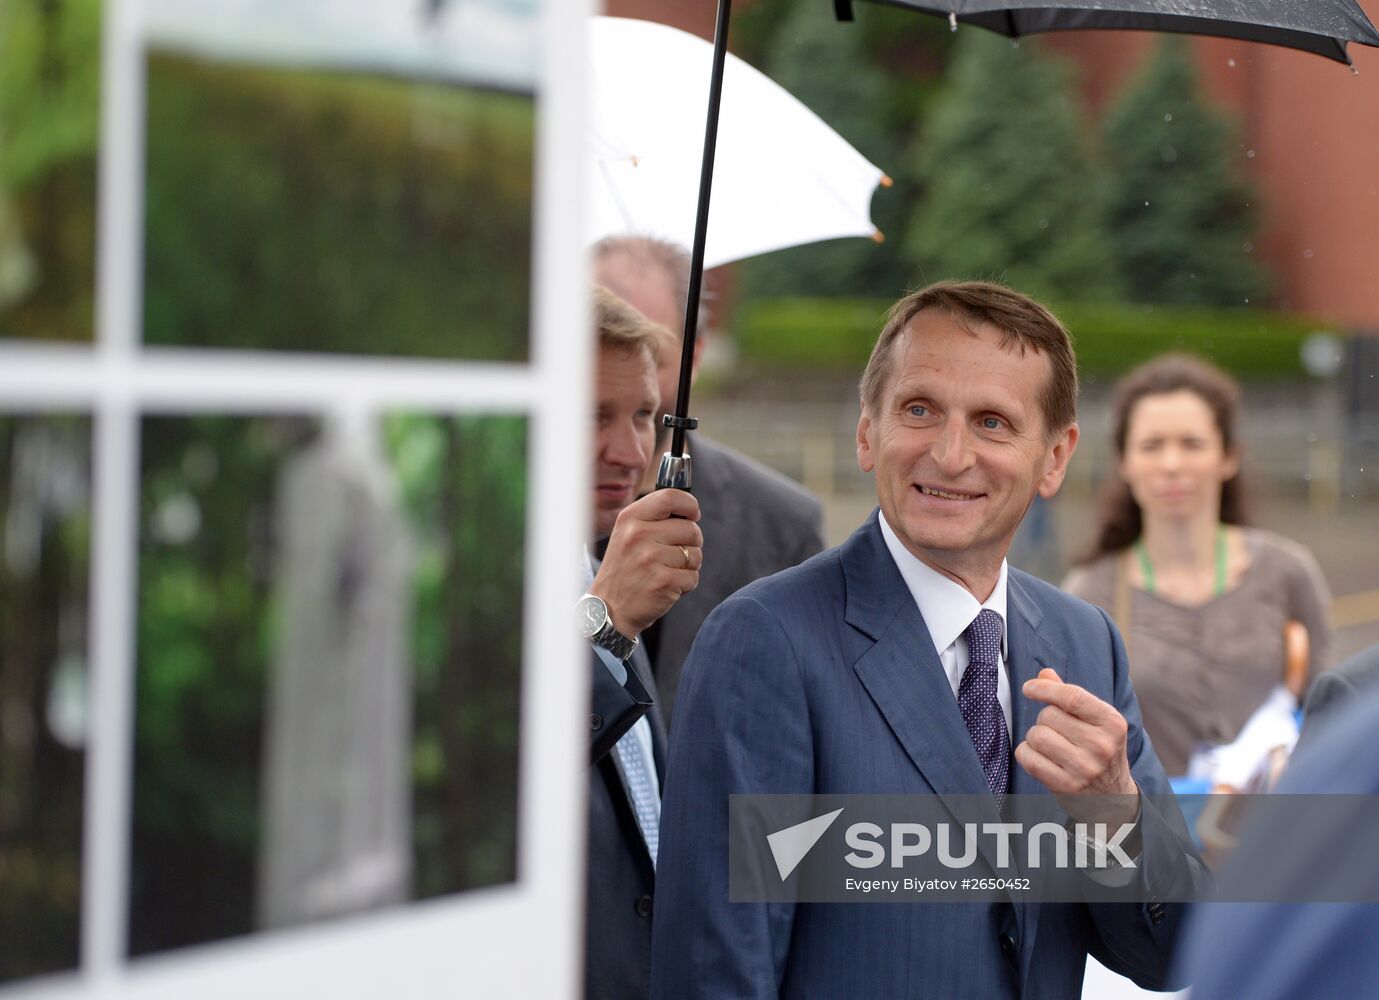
{"x":824,"y":334}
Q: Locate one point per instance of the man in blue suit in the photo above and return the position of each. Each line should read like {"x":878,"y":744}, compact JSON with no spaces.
{"x":911,"y":660}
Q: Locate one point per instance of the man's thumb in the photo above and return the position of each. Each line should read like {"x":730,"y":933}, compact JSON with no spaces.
{"x":1049,"y":674}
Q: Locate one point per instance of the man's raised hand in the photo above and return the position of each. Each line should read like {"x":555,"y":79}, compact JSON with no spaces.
{"x":1076,"y":749}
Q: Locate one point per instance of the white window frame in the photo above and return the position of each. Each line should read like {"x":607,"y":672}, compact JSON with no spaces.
{"x":514,"y":940}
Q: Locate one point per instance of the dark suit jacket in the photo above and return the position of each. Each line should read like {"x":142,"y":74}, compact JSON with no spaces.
{"x":755,"y":522}
{"x":823,"y":679}
{"x":1290,"y":950}
{"x":621,"y":879}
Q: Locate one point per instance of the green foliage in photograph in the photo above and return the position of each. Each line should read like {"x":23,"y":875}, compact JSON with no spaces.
{"x":50,"y":70}
{"x":209,"y":633}
{"x":1180,"y":210}
{"x":838,"y":334}
{"x":318,"y":211}
{"x":1010,"y":184}
{"x":206,"y":558}
{"x":464,"y":483}
{"x":45,"y":510}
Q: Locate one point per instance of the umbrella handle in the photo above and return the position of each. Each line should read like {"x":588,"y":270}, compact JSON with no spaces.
{"x":674,"y":472}
{"x":681,"y":421}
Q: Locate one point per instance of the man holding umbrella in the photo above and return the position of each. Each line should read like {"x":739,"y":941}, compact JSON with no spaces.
{"x":652,"y":557}
{"x":755,"y":521}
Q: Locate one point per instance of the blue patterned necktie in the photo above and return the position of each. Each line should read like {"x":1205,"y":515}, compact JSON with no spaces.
{"x":645,"y":804}
{"x":981,"y":709}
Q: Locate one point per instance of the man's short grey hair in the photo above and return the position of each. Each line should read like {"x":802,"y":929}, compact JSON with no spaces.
{"x":669,"y":259}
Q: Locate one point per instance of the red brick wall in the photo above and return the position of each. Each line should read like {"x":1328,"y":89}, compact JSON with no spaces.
{"x":1314,"y":129}
{"x":688,"y":15}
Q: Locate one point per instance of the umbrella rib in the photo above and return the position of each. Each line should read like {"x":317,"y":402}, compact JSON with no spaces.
{"x":617,"y":199}
{"x":610,"y":148}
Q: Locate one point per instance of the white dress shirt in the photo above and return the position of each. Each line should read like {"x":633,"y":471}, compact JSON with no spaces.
{"x":948,"y":608}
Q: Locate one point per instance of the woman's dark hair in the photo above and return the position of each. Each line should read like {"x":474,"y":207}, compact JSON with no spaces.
{"x":1121,"y":520}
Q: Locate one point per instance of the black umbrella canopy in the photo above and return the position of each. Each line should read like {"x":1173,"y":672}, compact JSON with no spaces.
{"x":1323,"y":27}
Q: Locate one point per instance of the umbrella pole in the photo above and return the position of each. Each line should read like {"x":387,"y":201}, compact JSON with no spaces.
{"x":675,"y":464}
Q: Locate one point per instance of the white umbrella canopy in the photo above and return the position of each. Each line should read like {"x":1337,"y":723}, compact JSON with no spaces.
{"x":782,"y":176}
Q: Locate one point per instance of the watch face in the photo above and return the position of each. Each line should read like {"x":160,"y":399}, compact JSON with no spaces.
{"x":592,"y":615}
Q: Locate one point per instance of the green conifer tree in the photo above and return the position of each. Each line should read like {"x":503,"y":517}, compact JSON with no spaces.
{"x":1180,"y":211}
{"x":1011,"y":189}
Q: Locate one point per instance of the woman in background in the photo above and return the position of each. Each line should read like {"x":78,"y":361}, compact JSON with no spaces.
{"x":1201,"y":599}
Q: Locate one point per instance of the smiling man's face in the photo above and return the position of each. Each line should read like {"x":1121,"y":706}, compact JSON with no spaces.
{"x":958,"y":445}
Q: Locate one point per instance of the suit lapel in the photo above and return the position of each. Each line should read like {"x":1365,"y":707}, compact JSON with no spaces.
{"x":905,"y":679}
{"x":1027,"y":654}
{"x":641,"y":665}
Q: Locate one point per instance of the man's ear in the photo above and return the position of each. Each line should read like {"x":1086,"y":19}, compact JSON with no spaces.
{"x":866,"y":460}
{"x":1056,"y":464}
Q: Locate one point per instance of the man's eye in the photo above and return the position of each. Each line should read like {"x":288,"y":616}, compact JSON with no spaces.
{"x":918,"y":411}
{"x":992,"y":423}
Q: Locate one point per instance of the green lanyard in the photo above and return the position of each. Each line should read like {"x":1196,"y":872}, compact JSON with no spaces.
{"x":1147,"y":568}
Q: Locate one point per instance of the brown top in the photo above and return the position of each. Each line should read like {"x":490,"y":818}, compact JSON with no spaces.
{"x":1200,"y":672}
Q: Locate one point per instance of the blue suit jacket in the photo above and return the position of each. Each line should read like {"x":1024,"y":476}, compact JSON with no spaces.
{"x":823,"y":679}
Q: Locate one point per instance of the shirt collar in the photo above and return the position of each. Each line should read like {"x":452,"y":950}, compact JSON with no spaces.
{"x":946,"y":606}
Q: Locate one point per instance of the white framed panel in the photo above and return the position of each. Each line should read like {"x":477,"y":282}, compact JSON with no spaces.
{"x":515,"y":940}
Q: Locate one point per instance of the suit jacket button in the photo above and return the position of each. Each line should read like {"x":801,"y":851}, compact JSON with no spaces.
{"x":643,"y":906}
{"x":1008,"y":946}
{"x":595,"y":722}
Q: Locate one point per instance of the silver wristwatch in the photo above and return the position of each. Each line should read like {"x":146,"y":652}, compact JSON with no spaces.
{"x":597,"y":627}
